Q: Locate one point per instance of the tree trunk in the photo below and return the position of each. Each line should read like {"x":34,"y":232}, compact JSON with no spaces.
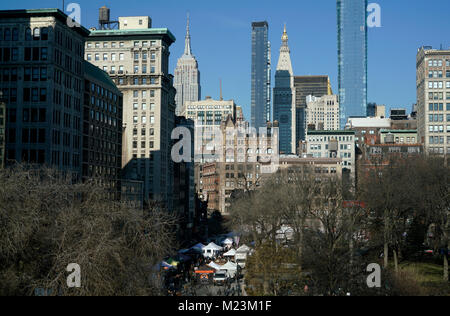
{"x":386,"y":255}
{"x":266,"y":286}
{"x":395,"y":260}
{"x":386,"y":241}
{"x":446,"y":267}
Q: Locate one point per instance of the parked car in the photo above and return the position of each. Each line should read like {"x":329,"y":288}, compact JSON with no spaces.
{"x":220,"y":277}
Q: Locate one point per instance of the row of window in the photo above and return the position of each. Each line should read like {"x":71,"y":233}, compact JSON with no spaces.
{"x":329,"y":138}
{"x":439,"y":84}
{"x":103,"y":105}
{"x":137,"y":81}
{"x":144,"y":144}
{"x":144,"y":132}
{"x":121,"y":44}
{"x":436,"y":107}
{"x":438,"y":63}
{"x":438,"y":96}
{"x":144,"y":107}
{"x":36,"y":34}
{"x":438,"y":74}
{"x":438,"y":118}
{"x":439,"y":140}
{"x":438,"y":128}
{"x":144,"y":94}
{"x":439,"y":150}
{"x":103,"y":118}
{"x":10,"y":95}
{"x":144,"y":119}
{"x":9,"y":54}
{"x":103,"y":92}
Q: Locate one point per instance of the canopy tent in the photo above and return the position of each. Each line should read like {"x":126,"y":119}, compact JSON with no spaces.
{"x":164,"y":265}
{"x":243,"y":249}
{"x":215,"y":266}
{"x":213,"y":246}
{"x":211,"y":250}
{"x":184,"y":251}
{"x":183,"y":258}
{"x":231,"y":268}
{"x":230,"y":253}
{"x":172,"y":262}
{"x":228,"y":242}
{"x":198,"y":246}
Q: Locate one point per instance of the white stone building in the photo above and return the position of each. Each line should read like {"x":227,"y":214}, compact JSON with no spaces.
{"x":323,"y":112}
{"x":138,"y":62}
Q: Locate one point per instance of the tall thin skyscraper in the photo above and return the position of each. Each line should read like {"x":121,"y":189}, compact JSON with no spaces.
{"x":352,"y":57}
{"x":261,"y":113}
{"x":187,"y":76}
{"x":284,"y":99}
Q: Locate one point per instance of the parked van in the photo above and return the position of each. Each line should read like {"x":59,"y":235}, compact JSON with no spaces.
{"x":220,"y":277}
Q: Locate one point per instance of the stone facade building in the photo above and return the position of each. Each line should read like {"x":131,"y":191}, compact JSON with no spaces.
{"x":2,"y":130}
{"x":333,"y":144}
{"x":137,"y":60}
{"x":42,"y":62}
{"x":433,"y":99}
{"x":322,"y":113}
{"x":102,"y":129}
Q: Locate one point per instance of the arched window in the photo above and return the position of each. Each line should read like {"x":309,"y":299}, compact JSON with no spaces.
{"x":44,"y":34}
{"x":7,"y":34}
{"x":36,"y":34}
{"x":28,"y":34}
{"x":15,"y":34}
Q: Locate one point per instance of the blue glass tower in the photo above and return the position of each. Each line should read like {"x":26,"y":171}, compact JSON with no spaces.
{"x":261,"y":113}
{"x":352,"y":57}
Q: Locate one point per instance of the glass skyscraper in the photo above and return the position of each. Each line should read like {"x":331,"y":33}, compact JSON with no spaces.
{"x":261,"y":113}
{"x":352,"y":57}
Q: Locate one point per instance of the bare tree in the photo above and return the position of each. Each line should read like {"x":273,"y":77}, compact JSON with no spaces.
{"x":48,"y":222}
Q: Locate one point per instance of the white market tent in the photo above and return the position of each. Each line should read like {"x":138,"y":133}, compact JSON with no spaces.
{"x":231,"y":268}
{"x":215,"y":266}
{"x":228,"y":242}
{"x":230,"y":253}
{"x":211,"y":250}
{"x":243,"y":249}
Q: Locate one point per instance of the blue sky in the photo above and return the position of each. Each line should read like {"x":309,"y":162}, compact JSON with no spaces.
{"x":221,"y":38}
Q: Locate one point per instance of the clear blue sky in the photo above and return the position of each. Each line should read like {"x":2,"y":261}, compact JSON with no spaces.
{"x":221,"y":38}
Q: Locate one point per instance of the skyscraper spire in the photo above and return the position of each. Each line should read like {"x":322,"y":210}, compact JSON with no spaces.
{"x":187,"y":76}
{"x":284,"y":62}
{"x":284,"y":38}
{"x":187,"y":45}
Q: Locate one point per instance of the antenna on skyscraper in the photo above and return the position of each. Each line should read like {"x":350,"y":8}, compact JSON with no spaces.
{"x":221,"y":96}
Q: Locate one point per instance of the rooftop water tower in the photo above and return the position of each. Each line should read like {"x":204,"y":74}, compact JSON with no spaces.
{"x":104,"y":19}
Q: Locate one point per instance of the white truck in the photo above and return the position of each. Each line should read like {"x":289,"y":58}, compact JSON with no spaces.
{"x":220,"y":277}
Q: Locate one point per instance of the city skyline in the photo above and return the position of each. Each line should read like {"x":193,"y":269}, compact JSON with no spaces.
{"x":219,"y":27}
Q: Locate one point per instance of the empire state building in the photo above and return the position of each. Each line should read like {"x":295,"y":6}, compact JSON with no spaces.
{"x":187,"y":76}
